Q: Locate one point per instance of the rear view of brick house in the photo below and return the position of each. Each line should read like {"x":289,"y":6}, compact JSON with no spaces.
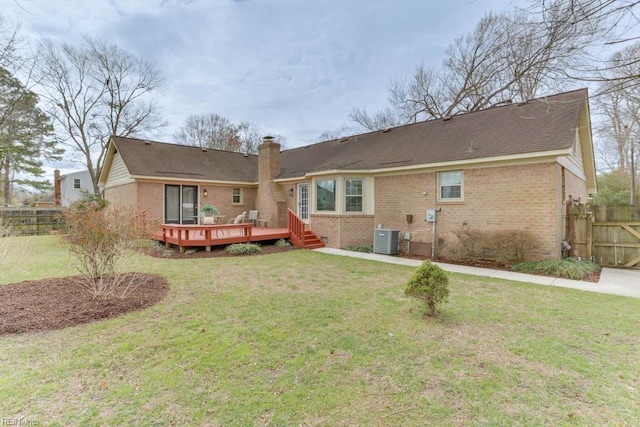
{"x":510,"y":167}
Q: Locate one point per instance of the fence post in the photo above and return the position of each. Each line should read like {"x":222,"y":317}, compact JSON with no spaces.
{"x":589,"y":229}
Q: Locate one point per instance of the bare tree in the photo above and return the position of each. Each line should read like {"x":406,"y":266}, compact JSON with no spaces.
{"x":507,"y":58}
{"x":216,"y":132}
{"x":209,"y":131}
{"x":612,"y":23}
{"x":10,"y":44}
{"x":619,"y":105}
{"x":94,"y":91}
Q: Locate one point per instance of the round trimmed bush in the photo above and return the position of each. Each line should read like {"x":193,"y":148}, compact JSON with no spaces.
{"x":429,"y":284}
{"x":243,"y":249}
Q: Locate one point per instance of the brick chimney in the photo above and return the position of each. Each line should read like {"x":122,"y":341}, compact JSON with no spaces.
{"x":268,"y":159}
{"x":57,"y":194}
{"x":271,"y":201}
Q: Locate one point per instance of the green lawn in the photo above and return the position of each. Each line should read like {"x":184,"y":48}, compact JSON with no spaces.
{"x":303,"y":338}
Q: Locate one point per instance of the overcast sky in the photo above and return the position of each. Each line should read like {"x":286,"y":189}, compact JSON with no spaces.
{"x":292,"y":67}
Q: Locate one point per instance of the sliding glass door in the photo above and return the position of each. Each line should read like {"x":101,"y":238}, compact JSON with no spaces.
{"x":180,"y":204}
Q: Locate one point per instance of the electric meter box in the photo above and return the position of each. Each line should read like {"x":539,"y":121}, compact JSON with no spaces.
{"x":431,"y":215}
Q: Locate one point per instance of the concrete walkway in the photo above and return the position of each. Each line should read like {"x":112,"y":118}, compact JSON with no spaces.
{"x":612,"y":280}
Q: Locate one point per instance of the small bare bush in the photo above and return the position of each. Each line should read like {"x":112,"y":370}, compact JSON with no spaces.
{"x":101,"y":237}
{"x":507,"y":246}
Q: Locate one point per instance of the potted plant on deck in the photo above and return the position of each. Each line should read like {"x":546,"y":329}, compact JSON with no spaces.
{"x":208,"y":212}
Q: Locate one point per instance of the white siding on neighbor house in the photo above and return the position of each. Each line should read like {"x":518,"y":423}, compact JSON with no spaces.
{"x":118,"y":174}
{"x":68,"y":192}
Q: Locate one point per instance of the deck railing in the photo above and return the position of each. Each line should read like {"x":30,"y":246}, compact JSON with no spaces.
{"x":206,"y":235}
{"x":296,"y":228}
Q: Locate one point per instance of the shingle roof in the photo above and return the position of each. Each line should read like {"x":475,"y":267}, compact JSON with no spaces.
{"x":544,"y":124}
{"x":162,"y":160}
{"x":540,"y":125}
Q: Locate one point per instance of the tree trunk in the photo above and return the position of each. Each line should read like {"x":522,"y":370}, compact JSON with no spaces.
{"x":7,"y":181}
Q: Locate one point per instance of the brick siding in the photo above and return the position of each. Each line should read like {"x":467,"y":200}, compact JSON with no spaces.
{"x":523,"y":197}
{"x":340,"y":231}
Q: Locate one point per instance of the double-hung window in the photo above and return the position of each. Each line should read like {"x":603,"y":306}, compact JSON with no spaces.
{"x":353,"y":195}
{"x":450,"y":186}
{"x":76,"y":183}
{"x":236,"y":196}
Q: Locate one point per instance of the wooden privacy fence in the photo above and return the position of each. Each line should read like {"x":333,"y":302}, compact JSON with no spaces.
{"x":608,"y":235}
{"x":31,"y":221}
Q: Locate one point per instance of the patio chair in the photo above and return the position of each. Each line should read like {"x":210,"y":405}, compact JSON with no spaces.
{"x":239,"y":219}
{"x":255,"y":218}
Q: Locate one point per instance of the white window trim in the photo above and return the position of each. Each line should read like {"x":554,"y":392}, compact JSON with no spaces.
{"x":79,"y":184}
{"x":368,"y":195}
{"x":439,"y":187}
{"x":336,"y":201}
{"x":233,"y":195}
{"x":345,"y":195}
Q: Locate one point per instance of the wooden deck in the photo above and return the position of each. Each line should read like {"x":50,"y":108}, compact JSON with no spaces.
{"x":206,"y":236}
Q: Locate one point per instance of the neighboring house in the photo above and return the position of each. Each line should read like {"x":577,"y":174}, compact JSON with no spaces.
{"x":73,"y":185}
{"x":509,"y":167}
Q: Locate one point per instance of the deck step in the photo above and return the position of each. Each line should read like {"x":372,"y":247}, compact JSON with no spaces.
{"x":308,"y":239}
{"x":311,"y":241}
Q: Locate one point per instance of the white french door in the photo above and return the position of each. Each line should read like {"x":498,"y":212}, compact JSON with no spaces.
{"x":303,"y":202}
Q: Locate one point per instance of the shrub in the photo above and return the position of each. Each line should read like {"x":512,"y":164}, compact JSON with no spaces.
{"x":429,"y":284}
{"x":568,"y":268}
{"x":507,"y":246}
{"x":243,"y":249}
{"x":360,"y":248}
{"x":282,"y":243}
{"x":101,"y":237}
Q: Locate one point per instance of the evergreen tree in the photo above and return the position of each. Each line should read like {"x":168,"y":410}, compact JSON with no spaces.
{"x":26,"y":137}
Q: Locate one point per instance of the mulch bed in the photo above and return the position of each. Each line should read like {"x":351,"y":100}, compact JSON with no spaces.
{"x":56,"y":303}
{"x":487,"y":263}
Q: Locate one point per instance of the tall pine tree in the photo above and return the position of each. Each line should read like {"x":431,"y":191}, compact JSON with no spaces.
{"x":26,"y":138}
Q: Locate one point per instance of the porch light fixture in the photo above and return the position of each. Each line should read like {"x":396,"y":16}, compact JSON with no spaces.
{"x":576,"y":202}
{"x":205,"y":193}
{"x":291,"y":191}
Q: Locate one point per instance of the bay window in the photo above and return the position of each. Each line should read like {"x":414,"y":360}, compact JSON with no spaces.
{"x":326,"y":195}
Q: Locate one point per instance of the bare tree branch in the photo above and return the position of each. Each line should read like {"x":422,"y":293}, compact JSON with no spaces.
{"x":95,"y":91}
